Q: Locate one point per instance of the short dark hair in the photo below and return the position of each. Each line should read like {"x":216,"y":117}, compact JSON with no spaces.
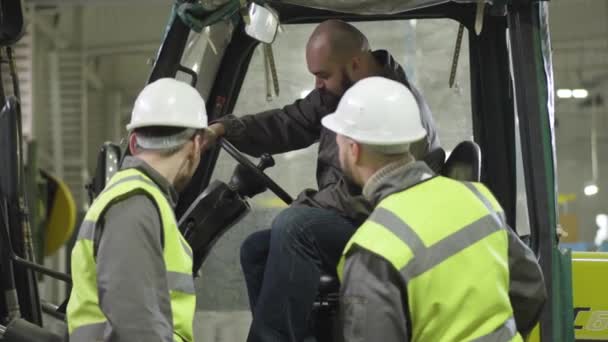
{"x":174,"y":137}
{"x":159,"y":131}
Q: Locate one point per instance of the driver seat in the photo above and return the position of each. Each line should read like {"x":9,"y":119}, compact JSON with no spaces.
{"x":464,"y":164}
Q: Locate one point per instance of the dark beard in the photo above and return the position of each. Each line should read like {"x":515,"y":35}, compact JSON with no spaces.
{"x":346,"y":81}
{"x":330,"y":99}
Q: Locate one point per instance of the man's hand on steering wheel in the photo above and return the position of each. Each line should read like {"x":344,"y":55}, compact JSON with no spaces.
{"x":213,"y":133}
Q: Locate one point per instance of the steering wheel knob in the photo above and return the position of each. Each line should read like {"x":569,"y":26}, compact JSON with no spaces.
{"x":266,"y":161}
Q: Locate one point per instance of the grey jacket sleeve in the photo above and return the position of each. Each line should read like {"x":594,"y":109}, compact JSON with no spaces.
{"x":431,"y":142}
{"x":526,"y":286}
{"x":131,"y":273}
{"x":293,"y":127}
{"x":373,"y":300}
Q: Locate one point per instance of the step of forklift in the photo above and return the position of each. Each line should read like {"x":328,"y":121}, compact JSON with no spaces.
{"x":20,"y":330}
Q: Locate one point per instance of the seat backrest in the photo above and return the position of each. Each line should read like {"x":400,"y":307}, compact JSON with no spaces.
{"x":435,"y":159}
{"x":464,"y":164}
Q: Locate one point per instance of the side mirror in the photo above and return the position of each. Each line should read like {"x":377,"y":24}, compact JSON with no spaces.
{"x":263,"y":25}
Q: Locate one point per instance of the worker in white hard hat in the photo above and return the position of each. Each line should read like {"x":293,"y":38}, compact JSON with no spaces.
{"x":131,"y":267}
{"x":601,"y":235}
{"x":436,"y":260}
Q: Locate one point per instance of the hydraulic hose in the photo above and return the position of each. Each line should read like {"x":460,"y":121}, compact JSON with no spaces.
{"x":10,"y":290}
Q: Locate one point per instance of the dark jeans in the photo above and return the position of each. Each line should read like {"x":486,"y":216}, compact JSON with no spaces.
{"x":282,"y":267}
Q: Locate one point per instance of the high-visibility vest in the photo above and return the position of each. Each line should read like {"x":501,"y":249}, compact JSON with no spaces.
{"x":448,"y":240}
{"x":86,"y":321}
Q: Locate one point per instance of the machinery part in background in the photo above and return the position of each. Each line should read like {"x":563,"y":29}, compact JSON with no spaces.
{"x":272,"y":79}
{"x":479,"y":13}
{"x":11,"y":22}
{"x":36,"y":198}
{"x":13,"y":70}
{"x":197,"y":16}
{"x":108,"y":160}
{"x":456,"y":56}
{"x":170,"y":52}
{"x":28,"y":241}
{"x":61,"y":214}
{"x":10,"y":299}
{"x":191,"y":73}
{"x":54,"y":310}
{"x":18,"y":239}
{"x":9,"y":254}
{"x":267,"y":78}
{"x":20,"y":330}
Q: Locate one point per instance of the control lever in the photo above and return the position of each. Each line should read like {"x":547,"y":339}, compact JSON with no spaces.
{"x":246,"y":182}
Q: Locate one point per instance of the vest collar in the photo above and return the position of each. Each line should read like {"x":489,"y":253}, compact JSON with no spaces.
{"x":395,"y":177}
{"x":131,"y":162}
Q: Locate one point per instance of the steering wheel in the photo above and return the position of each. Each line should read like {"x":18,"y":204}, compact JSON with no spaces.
{"x":257,"y":170}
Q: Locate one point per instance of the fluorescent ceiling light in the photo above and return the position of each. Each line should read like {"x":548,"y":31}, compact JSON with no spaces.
{"x":591,"y":189}
{"x":580,"y":93}
{"x":564,"y":93}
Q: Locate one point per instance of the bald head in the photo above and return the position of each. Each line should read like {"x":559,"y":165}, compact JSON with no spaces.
{"x":338,"y":54}
{"x":340,"y":40}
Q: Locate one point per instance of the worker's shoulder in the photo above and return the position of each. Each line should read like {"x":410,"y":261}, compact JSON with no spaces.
{"x":136,"y":206}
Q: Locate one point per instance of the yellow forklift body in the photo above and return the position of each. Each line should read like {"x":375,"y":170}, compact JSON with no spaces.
{"x":589,"y":279}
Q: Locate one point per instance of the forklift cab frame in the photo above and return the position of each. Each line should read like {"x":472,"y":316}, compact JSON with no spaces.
{"x":511,"y":77}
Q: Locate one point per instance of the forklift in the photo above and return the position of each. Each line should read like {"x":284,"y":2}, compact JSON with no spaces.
{"x":512,"y":110}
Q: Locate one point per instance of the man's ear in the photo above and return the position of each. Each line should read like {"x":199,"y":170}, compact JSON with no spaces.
{"x":355,"y":151}
{"x":355,"y":65}
{"x":198,"y":142}
{"x":133,"y":144}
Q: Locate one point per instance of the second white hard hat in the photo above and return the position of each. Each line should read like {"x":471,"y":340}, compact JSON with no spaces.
{"x":377,"y":111}
{"x":171,"y":103}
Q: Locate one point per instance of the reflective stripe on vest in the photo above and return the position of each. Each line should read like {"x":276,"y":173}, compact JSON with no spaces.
{"x":448,"y":241}
{"x":86,"y":321}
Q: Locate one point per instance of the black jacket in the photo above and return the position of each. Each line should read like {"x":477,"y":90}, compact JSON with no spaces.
{"x":298,"y":125}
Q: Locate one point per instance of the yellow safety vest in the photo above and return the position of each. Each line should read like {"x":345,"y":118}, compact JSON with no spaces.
{"x":85,"y":317}
{"x":448,"y":240}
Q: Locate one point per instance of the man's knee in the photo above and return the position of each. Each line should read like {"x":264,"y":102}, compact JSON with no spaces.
{"x":291,"y":222}
{"x":255,"y":247}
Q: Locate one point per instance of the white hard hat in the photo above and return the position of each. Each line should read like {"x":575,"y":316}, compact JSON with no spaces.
{"x":601,"y":220}
{"x":168,"y":102}
{"x":377,"y":111}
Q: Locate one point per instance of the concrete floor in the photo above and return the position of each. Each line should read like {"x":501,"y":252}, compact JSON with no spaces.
{"x":210,"y":326}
